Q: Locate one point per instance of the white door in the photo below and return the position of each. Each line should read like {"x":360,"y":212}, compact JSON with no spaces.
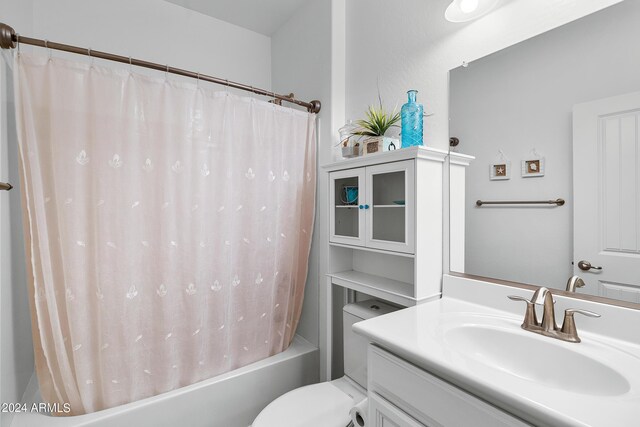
{"x":390,"y":209}
{"x":347,"y":216}
{"x":606,"y":183}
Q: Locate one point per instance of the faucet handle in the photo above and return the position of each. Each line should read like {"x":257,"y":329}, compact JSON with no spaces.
{"x":519,"y":298}
{"x":587,"y":313}
{"x":530,"y":318}
{"x":569,"y":323}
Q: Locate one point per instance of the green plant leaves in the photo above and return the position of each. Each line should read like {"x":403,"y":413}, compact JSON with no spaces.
{"x":377,"y":123}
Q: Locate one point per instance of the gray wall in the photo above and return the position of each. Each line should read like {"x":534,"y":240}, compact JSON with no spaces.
{"x":407,"y":44}
{"x":521,"y":98}
{"x":157,"y":31}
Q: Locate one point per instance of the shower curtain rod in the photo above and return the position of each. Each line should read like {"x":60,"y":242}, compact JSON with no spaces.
{"x":9,"y":39}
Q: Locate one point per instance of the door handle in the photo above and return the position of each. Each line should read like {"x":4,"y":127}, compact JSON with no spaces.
{"x":586,"y":266}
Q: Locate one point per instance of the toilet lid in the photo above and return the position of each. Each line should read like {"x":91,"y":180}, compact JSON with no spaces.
{"x":317,"y":405}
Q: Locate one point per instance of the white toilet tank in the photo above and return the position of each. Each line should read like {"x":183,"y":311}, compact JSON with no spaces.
{"x":355,"y":346}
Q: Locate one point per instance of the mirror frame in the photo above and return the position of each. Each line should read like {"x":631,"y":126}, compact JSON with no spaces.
{"x":574,"y":295}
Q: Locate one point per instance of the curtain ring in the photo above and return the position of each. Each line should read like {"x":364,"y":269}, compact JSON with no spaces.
{"x":91,"y":57}
{"x":166,"y":73}
{"x":46,"y":45}
{"x":18,"y":44}
{"x":130,"y":65}
{"x":198,"y":80}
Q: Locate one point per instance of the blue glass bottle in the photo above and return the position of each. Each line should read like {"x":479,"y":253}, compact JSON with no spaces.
{"x":412,"y":117}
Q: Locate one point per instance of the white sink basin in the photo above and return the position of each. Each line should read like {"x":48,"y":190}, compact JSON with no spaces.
{"x":536,"y":358}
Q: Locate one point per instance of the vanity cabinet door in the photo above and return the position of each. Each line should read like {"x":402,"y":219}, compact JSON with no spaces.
{"x":348,"y":207}
{"x":390,"y":194}
{"x":384,"y":414}
{"x":427,"y":398}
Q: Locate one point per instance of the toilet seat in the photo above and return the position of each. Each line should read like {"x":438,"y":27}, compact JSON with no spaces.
{"x":317,"y":405}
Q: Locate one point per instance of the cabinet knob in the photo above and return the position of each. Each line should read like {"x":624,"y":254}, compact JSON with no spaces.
{"x":361,"y":207}
{"x":366,"y":206}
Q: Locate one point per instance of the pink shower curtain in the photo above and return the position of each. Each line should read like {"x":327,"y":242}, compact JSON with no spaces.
{"x":168,"y":229}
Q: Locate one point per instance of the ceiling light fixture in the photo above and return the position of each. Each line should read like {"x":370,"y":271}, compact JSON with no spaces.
{"x":468,"y":10}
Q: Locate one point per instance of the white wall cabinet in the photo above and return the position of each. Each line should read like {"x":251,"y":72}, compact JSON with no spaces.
{"x":374,"y":206}
{"x":386,"y":224}
{"x":385,"y":240}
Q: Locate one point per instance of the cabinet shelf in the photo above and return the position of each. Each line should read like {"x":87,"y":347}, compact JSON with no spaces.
{"x":365,"y":249}
{"x":391,"y":290}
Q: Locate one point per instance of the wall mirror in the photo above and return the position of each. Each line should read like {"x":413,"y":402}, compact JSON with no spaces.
{"x":553,"y":117}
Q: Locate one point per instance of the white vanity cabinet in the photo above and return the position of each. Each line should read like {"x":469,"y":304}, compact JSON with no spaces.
{"x":374,"y":206}
{"x":403,"y":395}
{"x":384,"y":414}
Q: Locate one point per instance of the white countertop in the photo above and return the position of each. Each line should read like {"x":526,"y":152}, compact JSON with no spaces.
{"x":419,"y":335}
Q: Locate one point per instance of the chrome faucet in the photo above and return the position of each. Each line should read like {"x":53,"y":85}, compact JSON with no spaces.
{"x":548,"y":326}
{"x":573,"y":283}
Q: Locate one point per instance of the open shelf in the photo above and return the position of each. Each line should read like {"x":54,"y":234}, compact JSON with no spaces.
{"x":366,"y":249}
{"x":376,"y":286}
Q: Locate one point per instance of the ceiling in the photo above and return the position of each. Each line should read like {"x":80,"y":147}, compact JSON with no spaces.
{"x":261,"y":16}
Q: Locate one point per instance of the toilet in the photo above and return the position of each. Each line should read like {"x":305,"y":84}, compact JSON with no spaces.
{"x":327,"y":404}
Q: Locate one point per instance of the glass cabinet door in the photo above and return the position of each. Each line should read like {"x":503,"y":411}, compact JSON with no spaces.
{"x":347,"y":207}
{"x":390,"y":193}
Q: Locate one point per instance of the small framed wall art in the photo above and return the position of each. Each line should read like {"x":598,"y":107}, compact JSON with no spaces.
{"x":534,"y":166}
{"x":500,"y":169}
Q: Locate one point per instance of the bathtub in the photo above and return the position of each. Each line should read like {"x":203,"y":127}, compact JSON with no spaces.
{"x":233,"y":399}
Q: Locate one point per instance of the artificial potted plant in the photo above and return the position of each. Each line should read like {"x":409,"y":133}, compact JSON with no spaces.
{"x":373,"y":128}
